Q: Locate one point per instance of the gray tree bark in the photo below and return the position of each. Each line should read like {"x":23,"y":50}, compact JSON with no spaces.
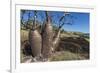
{"x":47,"y":37}
{"x":35,"y":42}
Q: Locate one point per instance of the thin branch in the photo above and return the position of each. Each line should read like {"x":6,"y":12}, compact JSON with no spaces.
{"x":48,"y":17}
{"x":63,"y":16}
{"x":62,"y":24}
{"x":34,"y":21}
{"x":22,"y":13}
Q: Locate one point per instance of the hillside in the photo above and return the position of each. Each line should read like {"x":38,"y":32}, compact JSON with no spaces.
{"x":73,"y":46}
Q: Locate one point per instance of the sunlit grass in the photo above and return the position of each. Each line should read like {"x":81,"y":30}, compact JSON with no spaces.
{"x":87,"y":39}
{"x":66,"y":55}
{"x":24,"y":35}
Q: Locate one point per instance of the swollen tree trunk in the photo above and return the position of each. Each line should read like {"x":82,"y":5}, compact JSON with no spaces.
{"x":47,"y":37}
{"x":35,"y":40}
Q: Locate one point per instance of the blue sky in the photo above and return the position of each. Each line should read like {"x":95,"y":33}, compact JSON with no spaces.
{"x":80,"y":20}
{"x":81,"y":23}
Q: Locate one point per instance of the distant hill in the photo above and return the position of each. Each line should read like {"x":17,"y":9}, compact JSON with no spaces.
{"x":74,"y":34}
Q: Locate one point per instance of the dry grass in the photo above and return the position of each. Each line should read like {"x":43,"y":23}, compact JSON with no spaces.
{"x":66,"y":55}
{"x":24,"y":35}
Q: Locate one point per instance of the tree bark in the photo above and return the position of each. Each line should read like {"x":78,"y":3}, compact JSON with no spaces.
{"x":35,"y":42}
{"x":56,"y":40}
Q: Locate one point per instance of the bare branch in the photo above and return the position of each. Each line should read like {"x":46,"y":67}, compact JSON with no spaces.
{"x":48,"y":18}
{"x":64,"y":16}
{"x":22,"y":13}
{"x":34,"y":21}
{"x":63,"y":23}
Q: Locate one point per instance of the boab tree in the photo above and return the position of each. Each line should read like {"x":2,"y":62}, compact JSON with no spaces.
{"x":34,"y":36}
{"x":35,"y":39}
{"x":47,"y":37}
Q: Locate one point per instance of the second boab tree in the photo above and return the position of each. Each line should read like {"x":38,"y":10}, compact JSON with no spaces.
{"x":50,"y":38}
{"x":47,"y":37}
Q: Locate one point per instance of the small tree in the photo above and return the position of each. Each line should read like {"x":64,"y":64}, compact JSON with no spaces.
{"x":62,"y":22}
